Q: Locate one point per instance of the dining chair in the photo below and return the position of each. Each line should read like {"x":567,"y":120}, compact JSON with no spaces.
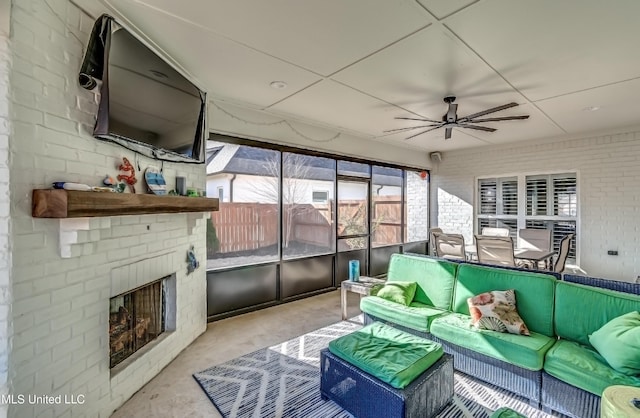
{"x":450,"y":246}
{"x":534,"y":239}
{"x":495,"y":250}
{"x":432,"y":240}
{"x":565,"y":245}
{"x":495,"y":232}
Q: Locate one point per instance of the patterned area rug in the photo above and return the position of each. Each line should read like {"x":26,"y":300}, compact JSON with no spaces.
{"x":284,"y":381}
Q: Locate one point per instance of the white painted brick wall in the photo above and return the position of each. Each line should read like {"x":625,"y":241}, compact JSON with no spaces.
{"x":608,"y":185}
{"x":63,"y":269}
{"x":5,"y":242}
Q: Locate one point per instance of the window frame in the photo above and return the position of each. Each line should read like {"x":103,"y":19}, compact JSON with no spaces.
{"x":522,"y":216}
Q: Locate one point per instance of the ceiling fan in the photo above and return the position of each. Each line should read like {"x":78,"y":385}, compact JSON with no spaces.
{"x":451,"y":120}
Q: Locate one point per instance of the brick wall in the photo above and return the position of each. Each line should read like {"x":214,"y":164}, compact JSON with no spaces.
{"x":5,"y":243}
{"x":608,"y":187}
{"x":62,"y":280}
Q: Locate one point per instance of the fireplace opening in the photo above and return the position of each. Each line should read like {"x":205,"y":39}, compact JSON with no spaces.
{"x":135,"y":319}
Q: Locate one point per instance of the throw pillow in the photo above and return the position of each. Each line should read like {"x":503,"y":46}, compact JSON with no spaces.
{"x":618,"y":342}
{"x":399,"y":292}
{"x":497,"y":311}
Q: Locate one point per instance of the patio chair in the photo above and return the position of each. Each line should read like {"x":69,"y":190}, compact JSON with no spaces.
{"x":432,"y":240}
{"x":535,"y":239}
{"x":495,"y":250}
{"x":495,"y":232}
{"x":565,"y":245}
{"x":450,"y":246}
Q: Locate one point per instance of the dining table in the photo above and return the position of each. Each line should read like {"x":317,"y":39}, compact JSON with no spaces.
{"x":535,"y":256}
{"x":524,"y":254}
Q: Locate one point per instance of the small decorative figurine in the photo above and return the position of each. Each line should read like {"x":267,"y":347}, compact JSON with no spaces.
{"x":192,"y":262}
{"x":130,"y":179}
{"x":109,"y":181}
{"x":155,"y":181}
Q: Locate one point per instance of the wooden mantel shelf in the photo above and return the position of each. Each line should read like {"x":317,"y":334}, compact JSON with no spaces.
{"x":56,"y":203}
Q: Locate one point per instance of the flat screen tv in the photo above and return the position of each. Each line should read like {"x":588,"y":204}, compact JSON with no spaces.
{"x":145,"y":104}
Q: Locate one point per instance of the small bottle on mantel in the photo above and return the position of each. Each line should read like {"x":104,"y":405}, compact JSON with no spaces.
{"x":71,"y":186}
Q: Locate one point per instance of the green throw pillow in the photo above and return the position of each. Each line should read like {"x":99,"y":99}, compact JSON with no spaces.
{"x":618,"y":341}
{"x":399,"y":292}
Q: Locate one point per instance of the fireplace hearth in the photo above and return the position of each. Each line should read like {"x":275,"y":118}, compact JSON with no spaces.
{"x":135,"y":319}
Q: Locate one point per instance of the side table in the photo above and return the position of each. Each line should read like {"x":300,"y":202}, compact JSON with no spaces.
{"x":363,"y":287}
{"x":617,"y":402}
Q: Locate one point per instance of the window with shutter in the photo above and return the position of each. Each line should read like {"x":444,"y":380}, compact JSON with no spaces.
{"x":488,"y":195}
{"x":498,"y":203}
{"x":550,"y":202}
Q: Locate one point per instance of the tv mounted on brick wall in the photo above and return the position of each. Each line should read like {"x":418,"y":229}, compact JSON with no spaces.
{"x":145,"y":104}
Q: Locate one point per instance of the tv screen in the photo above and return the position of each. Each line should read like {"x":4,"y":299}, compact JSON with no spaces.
{"x":145,"y":104}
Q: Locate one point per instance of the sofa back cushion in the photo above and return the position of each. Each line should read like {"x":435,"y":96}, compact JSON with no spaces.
{"x":534,"y":292}
{"x":581,"y":310}
{"x":435,"y":277}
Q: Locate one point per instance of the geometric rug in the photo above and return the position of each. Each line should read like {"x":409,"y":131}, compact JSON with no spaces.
{"x":284,"y":381}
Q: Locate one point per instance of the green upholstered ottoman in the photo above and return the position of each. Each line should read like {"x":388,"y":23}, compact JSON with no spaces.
{"x":505,"y":412}
{"x":381,"y":371}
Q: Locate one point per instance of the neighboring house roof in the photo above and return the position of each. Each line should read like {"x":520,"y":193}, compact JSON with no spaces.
{"x":236,"y":159}
{"x":220,"y":157}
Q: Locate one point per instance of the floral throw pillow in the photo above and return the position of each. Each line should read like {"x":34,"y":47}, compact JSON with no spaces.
{"x":497,"y":311}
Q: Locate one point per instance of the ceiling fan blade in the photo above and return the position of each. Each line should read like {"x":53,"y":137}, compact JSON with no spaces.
{"x":447,"y":133}
{"x":486,"y":112}
{"x":452,"y":112}
{"x":499,"y":119}
{"x":423,"y":132}
{"x":412,"y":127}
{"x":420,"y":119}
{"x":477,"y":127}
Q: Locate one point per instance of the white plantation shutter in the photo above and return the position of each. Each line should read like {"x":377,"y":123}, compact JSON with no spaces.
{"x":510,"y":197}
{"x":550,"y":202}
{"x":565,"y":197}
{"x":498,"y":204}
{"x":488,"y":197}
{"x":536,"y":196}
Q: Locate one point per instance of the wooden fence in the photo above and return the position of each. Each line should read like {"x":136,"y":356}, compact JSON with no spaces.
{"x":251,"y":226}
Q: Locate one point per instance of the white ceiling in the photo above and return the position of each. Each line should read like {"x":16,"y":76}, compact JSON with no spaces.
{"x":355,"y":65}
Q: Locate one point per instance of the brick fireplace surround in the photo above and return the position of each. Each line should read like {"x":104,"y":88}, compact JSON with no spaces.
{"x":57,"y":276}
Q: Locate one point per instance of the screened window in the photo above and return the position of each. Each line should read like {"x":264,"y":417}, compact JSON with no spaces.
{"x":386,"y":206}
{"x":307,"y":215}
{"x":245,"y":228}
{"x":279,"y":205}
{"x":353,"y":215}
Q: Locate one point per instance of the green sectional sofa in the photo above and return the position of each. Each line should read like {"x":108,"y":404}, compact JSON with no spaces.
{"x":556,"y":359}
{"x":575,"y":375}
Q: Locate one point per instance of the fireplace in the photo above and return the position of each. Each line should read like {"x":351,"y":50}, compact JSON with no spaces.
{"x":135,"y":319}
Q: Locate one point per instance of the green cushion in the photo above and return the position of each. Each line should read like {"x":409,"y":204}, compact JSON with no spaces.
{"x":534,"y":293}
{"x":435,"y":277}
{"x":582,"y":310}
{"x":520,"y":350}
{"x":505,"y":412}
{"x":584,"y":368}
{"x":618,"y":341}
{"x":397,"y":291}
{"x":415,"y":316}
{"x":391,"y":355}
